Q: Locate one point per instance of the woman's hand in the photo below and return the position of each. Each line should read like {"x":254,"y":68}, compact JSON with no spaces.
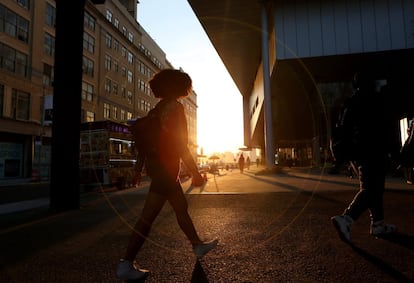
{"x":198,"y":180}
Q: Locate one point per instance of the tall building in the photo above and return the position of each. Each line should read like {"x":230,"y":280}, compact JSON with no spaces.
{"x":119,"y":57}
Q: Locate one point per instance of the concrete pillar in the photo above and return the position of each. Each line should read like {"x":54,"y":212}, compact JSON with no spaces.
{"x":64,"y":182}
{"x":268,"y":121}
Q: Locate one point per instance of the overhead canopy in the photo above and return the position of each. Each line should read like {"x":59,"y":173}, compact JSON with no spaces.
{"x":234,"y":28}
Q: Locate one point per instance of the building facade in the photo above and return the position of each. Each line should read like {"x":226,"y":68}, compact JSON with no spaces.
{"x":119,"y":57}
{"x":293,"y":62}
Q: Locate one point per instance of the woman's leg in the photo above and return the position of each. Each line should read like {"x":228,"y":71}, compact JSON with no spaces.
{"x":179,"y":204}
{"x":152,"y":207}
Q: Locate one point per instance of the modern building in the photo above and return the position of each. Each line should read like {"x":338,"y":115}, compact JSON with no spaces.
{"x":293,"y":62}
{"x":119,"y":57}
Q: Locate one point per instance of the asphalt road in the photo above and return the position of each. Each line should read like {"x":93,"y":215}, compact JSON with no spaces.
{"x":271,"y":228}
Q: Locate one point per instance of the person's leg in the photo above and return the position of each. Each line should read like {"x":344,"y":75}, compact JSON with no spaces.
{"x":376,"y":193}
{"x":359,"y":203}
{"x":152,"y":207}
{"x":179,"y":204}
{"x":344,"y":222}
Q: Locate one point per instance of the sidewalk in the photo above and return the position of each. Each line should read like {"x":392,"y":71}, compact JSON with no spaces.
{"x":23,"y":194}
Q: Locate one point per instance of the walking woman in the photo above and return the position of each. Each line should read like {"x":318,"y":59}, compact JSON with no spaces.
{"x":163,"y":168}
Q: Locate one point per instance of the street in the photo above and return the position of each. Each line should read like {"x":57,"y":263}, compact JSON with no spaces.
{"x":271,"y":228}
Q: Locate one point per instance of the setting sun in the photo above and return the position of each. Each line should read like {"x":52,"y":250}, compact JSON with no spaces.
{"x":220,"y":107}
{"x":220,"y":122}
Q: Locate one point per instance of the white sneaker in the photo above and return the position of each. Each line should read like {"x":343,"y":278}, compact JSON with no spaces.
{"x":380,"y":228}
{"x":201,"y":249}
{"x":127,"y":271}
{"x":343,"y":225}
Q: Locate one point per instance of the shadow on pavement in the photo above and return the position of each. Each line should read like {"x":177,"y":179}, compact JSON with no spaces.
{"x":198,"y":276}
{"x":404,"y":240}
{"x":382,"y":265}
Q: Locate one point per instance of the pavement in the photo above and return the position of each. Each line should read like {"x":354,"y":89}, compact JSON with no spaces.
{"x":272,"y":227}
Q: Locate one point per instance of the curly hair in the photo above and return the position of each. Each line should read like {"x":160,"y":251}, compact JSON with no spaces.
{"x":170,"y":83}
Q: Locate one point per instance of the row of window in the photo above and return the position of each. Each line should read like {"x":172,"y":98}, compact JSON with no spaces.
{"x":111,"y":64}
{"x":113,"y":112}
{"x":17,"y":26}
{"x":16,"y":62}
{"x":128,"y":34}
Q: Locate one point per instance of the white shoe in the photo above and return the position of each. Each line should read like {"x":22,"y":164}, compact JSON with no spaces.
{"x":201,"y":249}
{"x":380,"y":228}
{"x":127,"y":271}
{"x":343,"y":225}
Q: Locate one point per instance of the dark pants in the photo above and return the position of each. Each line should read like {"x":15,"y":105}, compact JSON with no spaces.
{"x":370,"y":195}
{"x":161,"y":190}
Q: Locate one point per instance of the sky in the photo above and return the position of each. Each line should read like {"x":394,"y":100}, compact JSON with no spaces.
{"x":177,"y":31}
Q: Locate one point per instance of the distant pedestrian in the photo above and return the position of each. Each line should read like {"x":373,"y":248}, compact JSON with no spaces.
{"x":241,"y":162}
{"x":163,"y":167}
{"x":364,"y":121}
{"x":289,"y":161}
{"x":248,"y":162}
{"x":257,"y":162}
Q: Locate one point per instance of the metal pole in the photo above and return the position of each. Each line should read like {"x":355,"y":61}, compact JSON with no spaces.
{"x":268,"y":121}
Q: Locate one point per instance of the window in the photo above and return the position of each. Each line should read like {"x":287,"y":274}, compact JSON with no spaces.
{"x":22,"y":29}
{"x":12,"y":60}
{"x":145,"y":106}
{"x":106,"y":111}
{"x":48,"y":74}
{"x":88,"y":42}
{"x":88,"y":116}
{"x":115,"y":88}
{"x":20,"y":105}
{"x":124,"y":31}
{"x":129,"y":97}
{"x":123,"y":116}
{"x":87,"y":91}
{"x":130,"y":77}
{"x":141,"y":85}
{"x":109,"y":15}
{"x":115,"y":112}
{"x":123,"y":52}
{"x":131,"y":37}
{"x":116,"y":67}
{"x":108,"y":61}
{"x":116,"y":23}
{"x":89,"y":21}
{"x":130,"y":58}
{"x":13,"y":24}
{"x":108,"y":86}
{"x":49,"y":47}
{"x":24,"y":3}
{"x":87,"y":66}
{"x":123,"y":72}
{"x":21,"y":64}
{"x":129,"y":116}
{"x":108,"y":40}
{"x":50,"y":15}
{"x":116,"y":45}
